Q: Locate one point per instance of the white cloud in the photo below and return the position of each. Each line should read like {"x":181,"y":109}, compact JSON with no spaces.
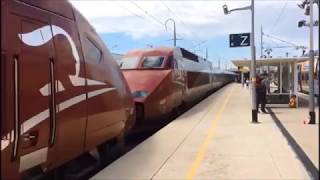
{"x":201,"y":20}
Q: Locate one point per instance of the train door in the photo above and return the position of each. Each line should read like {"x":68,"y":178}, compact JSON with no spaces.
{"x":105,"y":109}
{"x":105,"y":88}
{"x":28,"y":101}
{"x":70,"y":97}
{"x":9,"y":167}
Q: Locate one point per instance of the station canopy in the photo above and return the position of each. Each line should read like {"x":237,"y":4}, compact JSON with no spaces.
{"x":269,"y":61}
{"x":282,"y":73}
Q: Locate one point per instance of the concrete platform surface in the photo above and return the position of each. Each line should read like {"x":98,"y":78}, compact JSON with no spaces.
{"x":215,"y":140}
{"x":305,"y":135}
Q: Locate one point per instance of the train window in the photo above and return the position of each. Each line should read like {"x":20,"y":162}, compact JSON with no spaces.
{"x":152,"y":61}
{"x":129,"y":62}
{"x":93,"y":52}
{"x":189,"y":55}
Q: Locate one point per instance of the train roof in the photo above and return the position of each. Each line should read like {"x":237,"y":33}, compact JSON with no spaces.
{"x":60,"y":7}
{"x":139,"y":52}
{"x":229,"y":72}
{"x":221,"y":71}
{"x":165,"y":49}
{"x":168,"y":50}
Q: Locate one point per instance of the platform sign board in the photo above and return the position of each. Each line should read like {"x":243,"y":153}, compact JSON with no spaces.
{"x":239,"y":40}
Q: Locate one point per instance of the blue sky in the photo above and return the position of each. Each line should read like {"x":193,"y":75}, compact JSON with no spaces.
{"x":127,"y":25}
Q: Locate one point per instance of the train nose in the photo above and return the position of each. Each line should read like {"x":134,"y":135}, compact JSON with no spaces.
{"x":143,"y":82}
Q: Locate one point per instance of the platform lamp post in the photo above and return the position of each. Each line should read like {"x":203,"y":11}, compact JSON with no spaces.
{"x":253,"y":59}
{"x":308,"y":6}
{"x":174,"y":30}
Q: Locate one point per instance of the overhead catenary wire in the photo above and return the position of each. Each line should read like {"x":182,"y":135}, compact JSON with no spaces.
{"x":133,"y":13}
{"x":147,"y":13}
{"x":183,"y":23}
{"x":273,"y":41}
{"x":287,"y":42}
{"x":179,"y":19}
{"x":179,"y":36}
{"x":194,"y":44}
{"x":155,"y":19}
{"x":279,"y":16}
{"x":151,"y":16}
{"x":138,"y":16}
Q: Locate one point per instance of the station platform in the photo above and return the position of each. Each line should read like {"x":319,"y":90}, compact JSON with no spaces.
{"x":216,"y":140}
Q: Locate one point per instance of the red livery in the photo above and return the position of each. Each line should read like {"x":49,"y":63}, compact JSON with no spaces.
{"x":62,"y":94}
{"x":163,"y":79}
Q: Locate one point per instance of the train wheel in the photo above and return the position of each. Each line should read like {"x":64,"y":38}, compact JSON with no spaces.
{"x":183,"y":106}
{"x":120,"y":143}
{"x":104,"y":154}
{"x":79,"y":168}
{"x":177,"y":111}
{"x":34,"y":174}
{"x":139,"y":113}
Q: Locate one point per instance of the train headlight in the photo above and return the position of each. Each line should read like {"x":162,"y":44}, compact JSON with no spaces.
{"x":140,"y":94}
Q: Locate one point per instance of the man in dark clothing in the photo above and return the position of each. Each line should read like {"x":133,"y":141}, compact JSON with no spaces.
{"x":262,"y":90}
{"x":258,"y":99}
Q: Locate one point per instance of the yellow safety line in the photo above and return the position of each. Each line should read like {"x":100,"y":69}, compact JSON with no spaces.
{"x":204,"y":146}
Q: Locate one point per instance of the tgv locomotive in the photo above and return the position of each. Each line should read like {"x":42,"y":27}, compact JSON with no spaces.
{"x":62,"y":94}
{"x":64,"y":99}
{"x":163,"y":79}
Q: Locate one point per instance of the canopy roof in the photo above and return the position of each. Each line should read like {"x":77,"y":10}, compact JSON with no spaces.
{"x":269,"y":61}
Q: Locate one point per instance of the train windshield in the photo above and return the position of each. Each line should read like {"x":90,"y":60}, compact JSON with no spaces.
{"x":129,"y":62}
{"x":152,"y":62}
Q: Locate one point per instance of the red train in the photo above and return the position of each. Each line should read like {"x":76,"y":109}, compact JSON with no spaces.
{"x":163,"y":79}
{"x":62,"y":94}
{"x":64,"y":98}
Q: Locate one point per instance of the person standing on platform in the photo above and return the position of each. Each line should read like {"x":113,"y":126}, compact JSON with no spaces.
{"x":258,"y":91}
{"x":247,"y":82}
{"x":263,"y":90}
{"x":243,"y":81}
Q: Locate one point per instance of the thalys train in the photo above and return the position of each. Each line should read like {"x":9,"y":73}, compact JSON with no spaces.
{"x":64,"y":99}
{"x":164,"y":79}
{"x":62,"y":93}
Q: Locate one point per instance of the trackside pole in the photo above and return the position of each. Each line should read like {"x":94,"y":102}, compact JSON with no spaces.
{"x":311,"y":67}
{"x":253,"y":69}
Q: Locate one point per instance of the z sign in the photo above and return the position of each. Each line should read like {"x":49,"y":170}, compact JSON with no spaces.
{"x":239,"y":40}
